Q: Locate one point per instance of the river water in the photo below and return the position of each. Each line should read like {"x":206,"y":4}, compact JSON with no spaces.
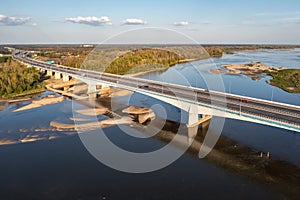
{"x":63,"y":169}
{"x":282,"y":143}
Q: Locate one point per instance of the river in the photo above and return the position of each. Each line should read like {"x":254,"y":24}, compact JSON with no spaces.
{"x":62,"y":168}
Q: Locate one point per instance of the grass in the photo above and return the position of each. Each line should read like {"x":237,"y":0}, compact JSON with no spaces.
{"x":287,"y":79}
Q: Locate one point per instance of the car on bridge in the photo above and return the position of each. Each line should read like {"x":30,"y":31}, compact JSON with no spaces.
{"x":49,"y":62}
{"x":143,"y":86}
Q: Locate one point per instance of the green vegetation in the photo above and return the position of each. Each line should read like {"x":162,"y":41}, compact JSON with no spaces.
{"x":286,"y":79}
{"x":215,"y":52}
{"x":129,"y":58}
{"x":141,"y":60}
{"x":5,"y":59}
{"x":17,"y":80}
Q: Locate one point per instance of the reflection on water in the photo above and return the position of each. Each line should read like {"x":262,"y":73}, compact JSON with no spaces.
{"x":63,"y":169}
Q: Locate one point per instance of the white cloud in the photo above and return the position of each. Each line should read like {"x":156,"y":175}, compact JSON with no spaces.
{"x":134,"y":21}
{"x":13,"y":21}
{"x":182,"y":23}
{"x":92,"y":21}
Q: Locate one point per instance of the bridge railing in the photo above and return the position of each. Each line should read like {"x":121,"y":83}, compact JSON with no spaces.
{"x":280,"y":112}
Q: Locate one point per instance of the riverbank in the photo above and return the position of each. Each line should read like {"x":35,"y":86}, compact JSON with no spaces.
{"x":14,"y":97}
{"x":162,"y":69}
{"x":288,"y":80}
{"x":26,"y":96}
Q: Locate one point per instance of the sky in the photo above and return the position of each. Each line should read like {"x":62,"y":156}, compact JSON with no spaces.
{"x":169,"y":21}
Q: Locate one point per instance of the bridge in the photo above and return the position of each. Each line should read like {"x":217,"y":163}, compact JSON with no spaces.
{"x":196,"y":101}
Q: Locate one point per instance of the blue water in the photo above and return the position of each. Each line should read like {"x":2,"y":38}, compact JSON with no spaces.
{"x":281,"y":143}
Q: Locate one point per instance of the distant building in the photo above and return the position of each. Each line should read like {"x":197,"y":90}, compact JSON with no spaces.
{"x":9,"y":49}
{"x":1,"y":55}
{"x":87,"y":45}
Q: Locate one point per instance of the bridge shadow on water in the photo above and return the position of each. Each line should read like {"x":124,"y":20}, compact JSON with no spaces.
{"x":228,"y":153}
{"x":239,"y":158}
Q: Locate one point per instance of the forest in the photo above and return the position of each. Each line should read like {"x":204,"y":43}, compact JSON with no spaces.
{"x":144,"y":59}
{"x":16,"y":79}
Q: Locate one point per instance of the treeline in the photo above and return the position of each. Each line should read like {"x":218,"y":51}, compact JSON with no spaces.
{"x":16,"y":78}
{"x":141,"y":58}
{"x":123,"y":59}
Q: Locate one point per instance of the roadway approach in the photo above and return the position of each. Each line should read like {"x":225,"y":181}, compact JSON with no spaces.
{"x":200,"y":104}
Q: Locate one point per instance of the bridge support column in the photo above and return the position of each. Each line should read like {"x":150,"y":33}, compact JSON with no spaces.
{"x":57,"y":75}
{"x":92,"y":91}
{"x":66,"y":78}
{"x":49,"y":73}
{"x":192,"y":124}
{"x":194,"y":121}
{"x":42,"y":70}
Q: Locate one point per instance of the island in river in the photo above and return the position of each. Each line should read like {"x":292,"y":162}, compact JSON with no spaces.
{"x":286,"y":79}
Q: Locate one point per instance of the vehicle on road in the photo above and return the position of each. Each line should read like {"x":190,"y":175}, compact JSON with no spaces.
{"x":49,"y":62}
{"x":143,"y":86}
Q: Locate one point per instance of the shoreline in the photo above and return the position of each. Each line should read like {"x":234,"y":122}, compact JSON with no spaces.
{"x":210,"y":57}
{"x":18,"y":97}
{"x":164,"y":69}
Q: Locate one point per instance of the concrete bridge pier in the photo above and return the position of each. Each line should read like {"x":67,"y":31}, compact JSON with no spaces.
{"x":57,"y":75}
{"x":66,"y":78}
{"x":192,"y":124}
{"x":194,"y":121}
{"x":49,"y":73}
{"x":40,"y":69}
{"x":92,"y":91}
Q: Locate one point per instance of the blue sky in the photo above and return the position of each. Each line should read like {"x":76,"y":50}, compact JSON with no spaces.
{"x":206,"y":21}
